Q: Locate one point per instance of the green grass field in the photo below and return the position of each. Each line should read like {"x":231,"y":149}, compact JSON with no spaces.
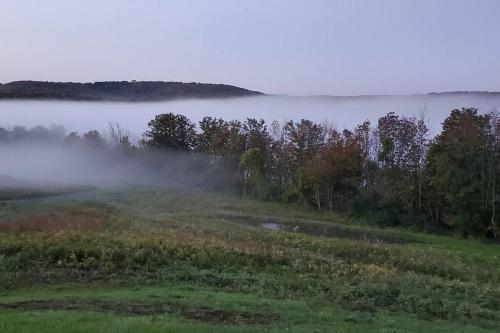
{"x":149,"y":260}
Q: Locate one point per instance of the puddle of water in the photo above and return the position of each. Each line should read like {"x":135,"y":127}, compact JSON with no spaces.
{"x":273,"y":226}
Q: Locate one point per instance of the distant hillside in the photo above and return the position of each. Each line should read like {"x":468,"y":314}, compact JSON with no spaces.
{"x":119,"y":91}
{"x":481,"y":94}
{"x":467,"y":93}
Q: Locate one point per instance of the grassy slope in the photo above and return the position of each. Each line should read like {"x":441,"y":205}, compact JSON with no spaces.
{"x":208,"y":251}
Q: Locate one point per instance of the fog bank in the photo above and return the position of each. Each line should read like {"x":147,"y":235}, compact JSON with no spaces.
{"x":343,"y":112}
{"x":23,"y":164}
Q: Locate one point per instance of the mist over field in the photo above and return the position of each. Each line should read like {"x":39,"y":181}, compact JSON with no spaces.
{"x":49,"y":163}
{"x":29,"y":164}
{"x":343,"y":112}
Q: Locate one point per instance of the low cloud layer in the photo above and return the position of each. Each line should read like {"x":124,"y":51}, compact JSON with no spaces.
{"x":343,"y":112}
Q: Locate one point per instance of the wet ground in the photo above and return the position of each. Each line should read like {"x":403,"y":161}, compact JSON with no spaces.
{"x":337,"y":232}
{"x":322,"y":230}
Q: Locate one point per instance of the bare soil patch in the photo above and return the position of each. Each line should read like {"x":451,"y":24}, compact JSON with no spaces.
{"x":146,"y":309}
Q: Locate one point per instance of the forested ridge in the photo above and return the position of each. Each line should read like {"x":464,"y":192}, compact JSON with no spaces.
{"x":392,"y":173}
{"x":118,"y":90}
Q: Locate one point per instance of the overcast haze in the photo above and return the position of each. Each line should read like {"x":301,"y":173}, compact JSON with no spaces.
{"x":290,"y":47}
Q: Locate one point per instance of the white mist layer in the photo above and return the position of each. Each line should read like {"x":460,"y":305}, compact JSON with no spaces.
{"x":72,"y":165}
{"x":344,"y":113}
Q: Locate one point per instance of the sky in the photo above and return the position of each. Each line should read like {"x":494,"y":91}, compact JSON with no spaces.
{"x":308,"y":47}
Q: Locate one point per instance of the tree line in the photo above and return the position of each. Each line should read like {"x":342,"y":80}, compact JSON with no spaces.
{"x":391,"y":172}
